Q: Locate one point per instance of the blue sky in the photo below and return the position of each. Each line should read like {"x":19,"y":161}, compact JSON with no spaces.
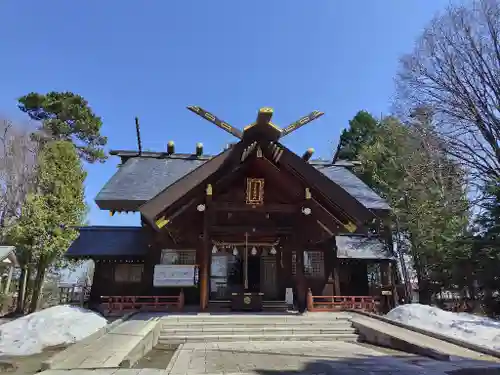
{"x":153,"y":58}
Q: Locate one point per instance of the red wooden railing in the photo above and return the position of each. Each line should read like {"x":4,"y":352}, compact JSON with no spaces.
{"x":340,"y":303}
{"x":114,"y":304}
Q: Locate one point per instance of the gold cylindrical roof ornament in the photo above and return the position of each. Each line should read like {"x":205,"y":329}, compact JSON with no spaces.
{"x":170,"y":147}
{"x":199,"y":149}
{"x":308,"y":154}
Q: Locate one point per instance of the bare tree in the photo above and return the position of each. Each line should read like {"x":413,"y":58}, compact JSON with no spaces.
{"x":455,"y":71}
{"x":17,"y":179}
{"x":17,"y":170}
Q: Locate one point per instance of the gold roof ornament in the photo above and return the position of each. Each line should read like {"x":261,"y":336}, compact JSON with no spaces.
{"x":263,"y":126}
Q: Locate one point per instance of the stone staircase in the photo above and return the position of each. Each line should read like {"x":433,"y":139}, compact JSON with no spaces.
{"x":177,"y":329}
{"x":267,"y":306}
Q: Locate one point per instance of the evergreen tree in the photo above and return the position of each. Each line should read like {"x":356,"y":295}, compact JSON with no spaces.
{"x":66,"y":116}
{"x":360,"y":133}
{"x":45,"y":227}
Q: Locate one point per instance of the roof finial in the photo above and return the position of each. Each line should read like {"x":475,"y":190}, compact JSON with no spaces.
{"x":170,"y":147}
{"x":337,"y":151}
{"x":138,"y":130}
{"x":199,"y":149}
{"x":307,"y":155}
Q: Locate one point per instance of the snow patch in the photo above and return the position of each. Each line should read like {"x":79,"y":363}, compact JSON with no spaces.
{"x":475,"y":329}
{"x":58,"y":325}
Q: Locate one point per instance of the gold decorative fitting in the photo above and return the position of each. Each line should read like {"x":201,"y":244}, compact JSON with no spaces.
{"x":209,"y":189}
{"x":351,"y":227}
{"x":255,"y":191}
{"x":259,"y":152}
{"x":308,"y":193}
{"x":161,"y":222}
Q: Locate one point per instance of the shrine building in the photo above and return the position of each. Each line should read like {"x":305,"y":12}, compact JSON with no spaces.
{"x":255,"y":227}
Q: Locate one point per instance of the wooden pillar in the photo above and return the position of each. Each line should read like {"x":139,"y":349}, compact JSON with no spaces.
{"x":385,"y":274}
{"x":335,"y":269}
{"x":301,"y":280}
{"x":279,"y":272}
{"x":204,"y":270}
{"x":336,"y":277}
{"x":286,"y":259}
{"x":302,"y":244}
{"x":153,"y":257}
{"x":388,"y":301}
{"x":9,"y":279}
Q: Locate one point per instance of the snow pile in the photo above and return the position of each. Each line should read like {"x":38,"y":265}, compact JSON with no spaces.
{"x":54,"y":326}
{"x":474,"y":329}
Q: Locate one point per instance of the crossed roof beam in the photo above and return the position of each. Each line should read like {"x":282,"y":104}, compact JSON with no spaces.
{"x":263,"y":119}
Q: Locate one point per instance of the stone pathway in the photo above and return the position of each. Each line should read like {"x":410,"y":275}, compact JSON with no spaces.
{"x":326,"y":358}
{"x":289,"y":358}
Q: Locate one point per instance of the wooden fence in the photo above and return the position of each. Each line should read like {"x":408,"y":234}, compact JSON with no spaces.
{"x":120,"y":304}
{"x":341,"y":303}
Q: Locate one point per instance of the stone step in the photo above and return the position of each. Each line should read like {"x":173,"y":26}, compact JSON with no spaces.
{"x":335,"y":324}
{"x":236,"y":319}
{"x":262,"y":315}
{"x":264,"y":330}
{"x":179,"y":339}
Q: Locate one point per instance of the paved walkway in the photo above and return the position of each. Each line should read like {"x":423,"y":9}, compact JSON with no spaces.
{"x":110,"y":350}
{"x":283,"y":358}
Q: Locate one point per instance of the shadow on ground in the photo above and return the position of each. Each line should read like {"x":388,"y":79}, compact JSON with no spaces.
{"x":407,"y":365}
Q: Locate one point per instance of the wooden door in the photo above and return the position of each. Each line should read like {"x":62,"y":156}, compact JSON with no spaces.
{"x":269,"y":285}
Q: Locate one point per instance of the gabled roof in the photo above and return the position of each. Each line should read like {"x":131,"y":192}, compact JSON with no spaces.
{"x":8,"y":255}
{"x":101,"y":241}
{"x":179,"y":188}
{"x":328,"y":188}
{"x":354,"y":186}
{"x":140,"y":179}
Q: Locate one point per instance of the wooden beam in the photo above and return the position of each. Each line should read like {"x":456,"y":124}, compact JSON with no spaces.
{"x":251,"y":230}
{"x":291,"y":187}
{"x":331,"y":221}
{"x":165,"y":220}
{"x":179,"y":189}
{"x":166,"y":217}
{"x":336,"y":196}
{"x":275,"y":207}
{"x":301,"y":122}
{"x":216,"y":121}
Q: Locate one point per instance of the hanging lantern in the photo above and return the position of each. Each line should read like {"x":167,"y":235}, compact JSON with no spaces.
{"x":235,"y":251}
{"x":273,"y":251}
{"x":214,"y":250}
{"x":254,"y":251}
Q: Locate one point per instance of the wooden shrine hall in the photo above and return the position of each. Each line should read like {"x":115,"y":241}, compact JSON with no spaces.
{"x":254,"y":227}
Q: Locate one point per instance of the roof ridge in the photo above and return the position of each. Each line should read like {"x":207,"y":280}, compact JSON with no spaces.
{"x":109,"y":227}
{"x":158,"y":155}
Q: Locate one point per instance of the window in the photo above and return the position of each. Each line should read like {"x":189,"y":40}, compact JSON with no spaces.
{"x":184,"y":257}
{"x":128,"y":273}
{"x":314,"y":263}
{"x":374,"y":274}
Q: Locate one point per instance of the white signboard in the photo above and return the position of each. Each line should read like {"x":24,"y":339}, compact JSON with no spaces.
{"x":174,"y":275}
{"x":289,"y":296}
{"x":219,"y":266}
